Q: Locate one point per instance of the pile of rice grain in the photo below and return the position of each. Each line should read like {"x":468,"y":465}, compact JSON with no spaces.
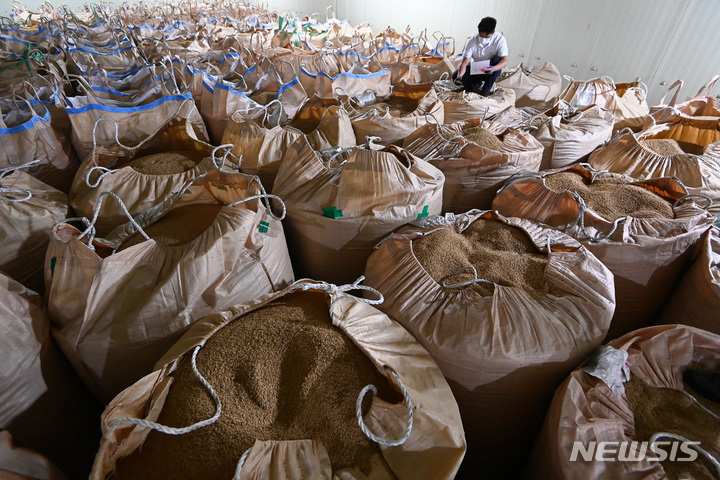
{"x":282,"y":372}
{"x":501,"y":254}
{"x":612,"y":198}
{"x":166,"y":163}
{"x":179,"y":226}
{"x":666,"y":410}
{"x":666,"y":147}
{"x":483,"y":138}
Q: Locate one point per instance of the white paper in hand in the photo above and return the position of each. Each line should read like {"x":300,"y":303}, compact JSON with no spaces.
{"x":476,"y":68}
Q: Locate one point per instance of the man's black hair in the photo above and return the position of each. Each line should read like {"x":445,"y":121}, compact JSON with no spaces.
{"x":487,"y":25}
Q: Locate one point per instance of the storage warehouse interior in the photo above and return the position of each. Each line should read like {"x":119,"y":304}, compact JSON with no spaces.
{"x":360,"y":240}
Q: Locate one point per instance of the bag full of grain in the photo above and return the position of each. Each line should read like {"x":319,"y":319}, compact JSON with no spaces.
{"x":269,"y":87}
{"x":28,"y":210}
{"x":537,"y":84}
{"x":626,"y":101}
{"x":570,"y":135}
{"x":696,"y":299}
{"x":310,"y":65}
{"x":643,"y":231}
{"x":42,"y":401}
{"x":504,"y":318}
{"x":326,"y":124}
{"x":28,"y":135}
{"x":118,"y":303}
{"x":19,"y":463}
{"x":476,"y":158}
{"x":632,"y":410}
{"x":291,"y":376}
{"x":660,"y":151}
{"x":341,"y":203}
{"x":702,"y":104}
{"x":394,"y":118}
{"x":142,"y":173}
{"x":132,"y":121}
{"x":697,"y":135}
{"x":462,"y":105}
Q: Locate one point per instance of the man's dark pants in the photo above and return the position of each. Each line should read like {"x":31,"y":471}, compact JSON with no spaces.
{"x":473,"y":83}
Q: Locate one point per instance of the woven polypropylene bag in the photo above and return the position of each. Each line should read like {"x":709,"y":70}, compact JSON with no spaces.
{"x":696,"y":299}
{"x":338,"y":212}
{"x":474,"y":172}
{"x":115,"y":315}
{"x":538,"y":84}
{"x":646,"y":255}
{"x":435,"y":443}
{"x":498,"y":351}
{"x":585,"y":409}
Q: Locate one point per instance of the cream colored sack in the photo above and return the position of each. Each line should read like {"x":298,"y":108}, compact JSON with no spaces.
{"x":29,"y":209}
{"x":115,"y":314}
{"x":630,"y":154}
{"x":430,"y":446}
{"x":569,"y":135}
{"x":42,"y":401}
{"x":502,"y":354}
{"x":339,"y":207}
{"x":109,"y":168}
{"x":464,"y":105}
{"x":474,"y":168}
{"x":696,"y":299}
{"x":646,"y":255}
{"x":538,"y":84}
{"x":18,"y":463}
{"x":378,"y":120}
{"x":585,"y":409}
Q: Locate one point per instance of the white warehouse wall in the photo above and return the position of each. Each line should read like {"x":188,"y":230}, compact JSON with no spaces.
{"x":659,"y":41}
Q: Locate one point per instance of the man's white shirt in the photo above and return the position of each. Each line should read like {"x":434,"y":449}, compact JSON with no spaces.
{"x":479,"y":48}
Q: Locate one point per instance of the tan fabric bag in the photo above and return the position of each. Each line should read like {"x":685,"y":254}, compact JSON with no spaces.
{"x":27,"y":135}
{"x":356,"y":80}
{"x":378,"y":120}
{"x":107,"y":169}
{"x":29,"y":210}
{"x":626,"y":154}
{"x":325,"y":123}
{"x":338,"y":209}
{"x":696,"y":299}
{"x":42,"y":400}
{"x":474,"y":171}
{"x":626,"y":101}
{"x":460,"y":106}
{"x":434,"y":445}
{"x":538,"y":84}
{"x":503,"y":354}
{"x":133,"y":123}
{"x":569,"y":135}
{"x":115,"y":315}
{"x":585,"y":409}
{"x":647,"y":256}
{"x":703,"y":104}
{"x":17,"y":463}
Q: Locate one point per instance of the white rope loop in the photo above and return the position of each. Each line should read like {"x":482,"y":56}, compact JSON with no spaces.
{"x":264,"y":196}
{"x":220,"y":163}
{"x":7,"y":194}
{"x":104,"y":173}
{"x":117,"y":139}
{"x":702,"y":407}
{"x":406,"y":400}
{"x":474,"y":281}
{"x":90,"y":231}
{"x":181,"y":430}
{"x":241,"y":462}
{"x":8,"y":170}
{"x":695,"y":445}
{"x":334,"y":289}
{"x":693,"y":195}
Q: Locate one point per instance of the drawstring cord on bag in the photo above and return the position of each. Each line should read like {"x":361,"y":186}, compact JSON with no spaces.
{"x":5,"y":191}
{"x":174,"y":430}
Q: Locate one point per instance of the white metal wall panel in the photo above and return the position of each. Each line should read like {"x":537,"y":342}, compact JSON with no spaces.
{"x":565,"y":34}
{"x":692,"y":53}
{"x":632,"y":40}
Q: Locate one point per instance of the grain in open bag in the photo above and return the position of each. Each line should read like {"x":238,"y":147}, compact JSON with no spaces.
{"x":303,"y":403}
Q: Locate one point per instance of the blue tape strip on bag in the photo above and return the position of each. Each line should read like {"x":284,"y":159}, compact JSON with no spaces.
{"x":27,"y":125}
{"x":105,"y":108}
